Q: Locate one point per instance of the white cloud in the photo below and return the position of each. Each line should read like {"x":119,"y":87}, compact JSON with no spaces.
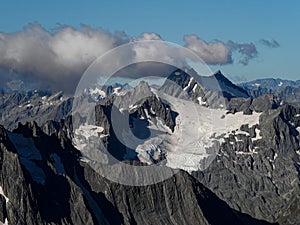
{"x":209,"y":52}
{"x":65,"y":53}
{"x":62,"y":56}
{"x":147,"y":37}
{"x":218,"y":52}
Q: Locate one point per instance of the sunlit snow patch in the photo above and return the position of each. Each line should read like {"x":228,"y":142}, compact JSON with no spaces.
{"x":258,"y":135}
{"x":198,"y":133}
{"x":2,"y":193}
{"x":87,"y":135}
{"x":6,"y":200}
{"x":97,"y":93}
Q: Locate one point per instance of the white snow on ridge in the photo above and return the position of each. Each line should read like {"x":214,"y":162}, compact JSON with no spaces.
{"x":298,"y":129}
{"x":275,"y":156}
{"x":280,"y":84}
{"x":6,"y":200}
{"x":97,"y":91}
{"x":189,"y":84}
{"x":5,"y":222}
{"x":200,"y":101}
{"x":197,"y":133}
{"x":195,"y":87}
{"x":132,"y":107}
{"x":195,"y":142}
{"x":238,"y":119}
{"x":255,"y":85}
{"x":119,"y":91}
{"x":28,"y":105}
{"x":150,"y":149}
{"x":86,"y":135}
{"x":258,"y":135}
{"x":89,"y":130}
{"x":2,"y":193}
{"x":55,"y":96}
{"x":52,"y":100}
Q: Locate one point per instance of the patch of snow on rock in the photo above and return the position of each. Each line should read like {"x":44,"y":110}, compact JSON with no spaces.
{"x":5,"y":222}
{"x":90,"y":134}
{"x":2,"y":193}
{"x":189,"y":84}
{"x":257,"y":136}
{"x":255,"y":85}
{"x":97,"y":91}
{"x":194,"y":88}
{"x":150,"y":150}
{"x":200,"y":101}
{"x":198,"y":133}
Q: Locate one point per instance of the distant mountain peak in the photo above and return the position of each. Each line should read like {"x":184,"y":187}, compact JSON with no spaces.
{"x":227,"y":86}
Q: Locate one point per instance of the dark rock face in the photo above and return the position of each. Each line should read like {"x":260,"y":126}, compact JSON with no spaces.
{"x":213,"y":91}
{"x":145,"y":110}
{"x":228,"y":88}
{"x":178,"y":200}
{"x":196,"y":85}
{"x":73,"y":193}
{"x":20,"y":208}
{"x":154,"y":107}
{"x":180,"y":84}
{"x":260,"y":176}
{"x":31,"y":202}
{"x":255,"y":178}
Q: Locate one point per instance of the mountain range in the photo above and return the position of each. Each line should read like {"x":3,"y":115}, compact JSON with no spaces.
{"x":235,"y":150}
{"x":287,"y":90}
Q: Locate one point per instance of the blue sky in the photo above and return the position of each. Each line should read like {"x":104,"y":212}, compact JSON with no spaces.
{"x":240,"y":21}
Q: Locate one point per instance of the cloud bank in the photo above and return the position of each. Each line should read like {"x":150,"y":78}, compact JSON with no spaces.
{"x":54,"y":57}
{"x":62,"y":56}
{"x":211,"y":53}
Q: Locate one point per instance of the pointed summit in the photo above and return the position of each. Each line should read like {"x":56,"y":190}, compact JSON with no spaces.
{"x":219,"y":82}
{"x":220,"y":76}
{"x":218,"y":72}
